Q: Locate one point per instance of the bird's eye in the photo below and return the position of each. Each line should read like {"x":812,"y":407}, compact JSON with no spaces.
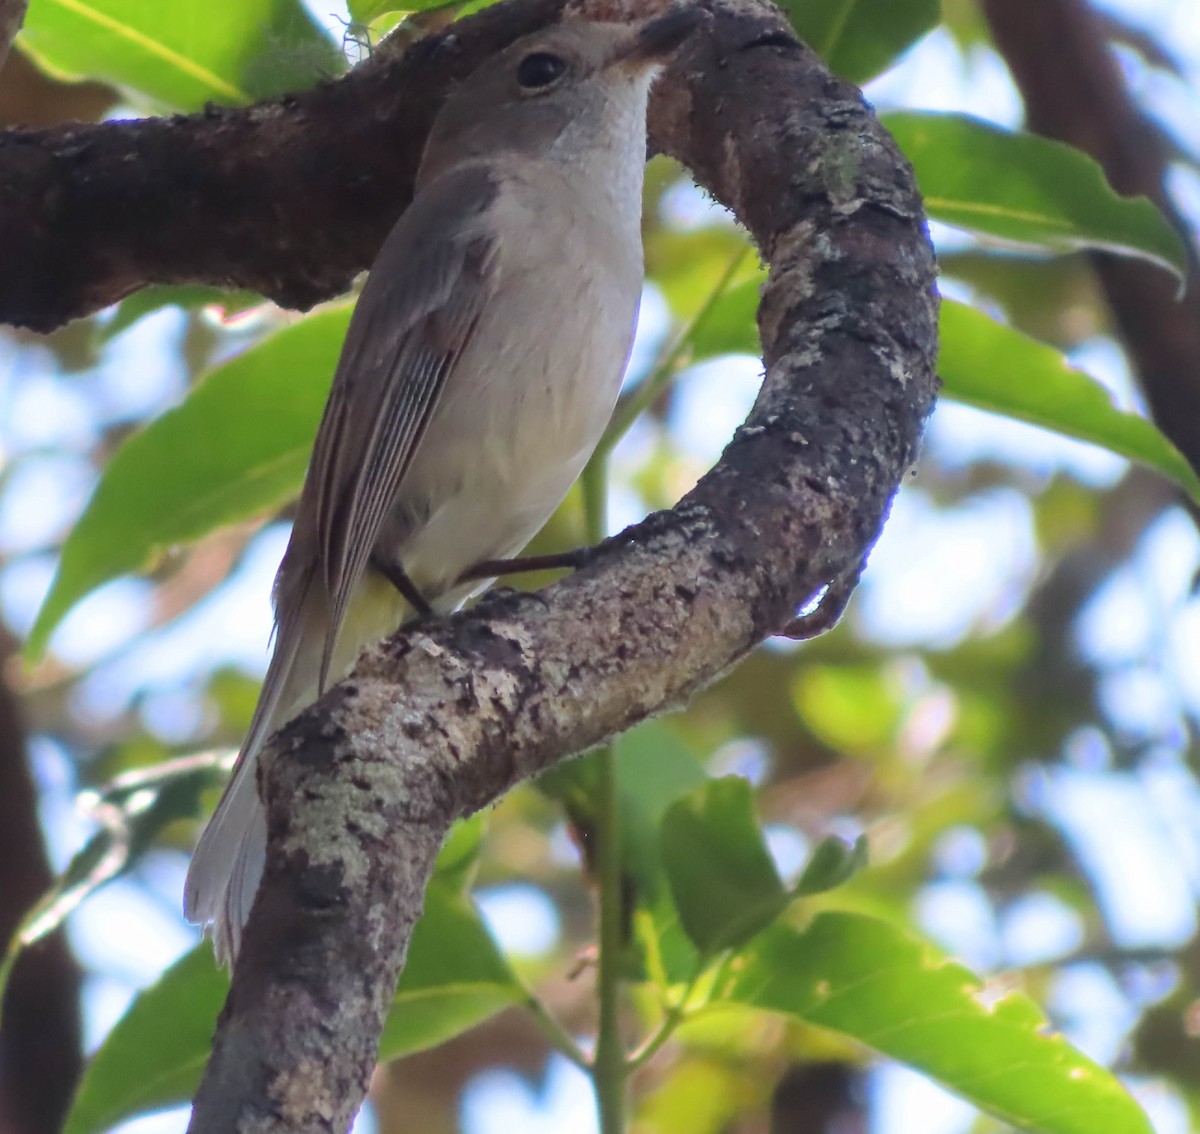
{"x":540,"y":70}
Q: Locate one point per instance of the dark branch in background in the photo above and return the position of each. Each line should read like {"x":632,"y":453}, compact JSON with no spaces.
{"x":40,"y":1051}
{"x":12,"y":16}
{"x":1074,"y":91}
{"x":440,"y":720}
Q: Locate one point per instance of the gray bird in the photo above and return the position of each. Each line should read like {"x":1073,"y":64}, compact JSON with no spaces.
{"x":480,"y":368}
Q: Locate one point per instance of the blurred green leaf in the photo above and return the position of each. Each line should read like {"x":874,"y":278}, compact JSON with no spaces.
{"x":993,"y":367}
{"x":895,"y":993}
{"x":456,"y":862}
{"x":454,"y":978}
{"x":236,"y":448}
{"x":1027,"y":191}
{"x":153,"y":1057}
{"x":854,"y":708}
{"x":365,"y":11}
{"x":860,"y":39}
{"x":833,"y":862}
{"x":654,"y":768}
{"x":730,"y":326}
{"x":183,"y":54}
{"x":723,"y":880}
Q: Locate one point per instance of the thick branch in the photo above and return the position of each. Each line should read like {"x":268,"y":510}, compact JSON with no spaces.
{"x":290,"y":198}
{"x":1074,"y":91}
{"x":439,"y":721}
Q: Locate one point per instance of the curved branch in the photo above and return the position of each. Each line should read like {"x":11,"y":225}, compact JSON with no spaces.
{"x":440,"y":720}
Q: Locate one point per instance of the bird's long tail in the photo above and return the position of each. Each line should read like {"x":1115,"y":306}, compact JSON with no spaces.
{"x":228,"y":863}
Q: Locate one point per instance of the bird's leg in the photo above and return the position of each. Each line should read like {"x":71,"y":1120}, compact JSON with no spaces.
{"x":395,"y":574}
{"x":490,"y":568}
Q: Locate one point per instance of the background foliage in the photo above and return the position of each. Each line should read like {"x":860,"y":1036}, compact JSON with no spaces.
{"x":1003,"y":724}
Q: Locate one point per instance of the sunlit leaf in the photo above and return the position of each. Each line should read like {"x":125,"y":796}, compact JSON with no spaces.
{"x":236,"y":448}
{"x":654,"y":768}
{"x":895,"y":993}
{"x":860,"y":39}
{"x":153,"y":1057}
{"x":1026,"y":190}
{"x":459,"y":855}
{"x":454,"y":978}
{"x":854,"y":708}
{"x":723,"y":880}
{"x":182,"y":54}
{"x":989,"y":365}
{"x":366,"y":11}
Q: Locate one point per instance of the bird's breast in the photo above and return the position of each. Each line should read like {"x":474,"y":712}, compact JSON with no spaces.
{"x":529,"y":398}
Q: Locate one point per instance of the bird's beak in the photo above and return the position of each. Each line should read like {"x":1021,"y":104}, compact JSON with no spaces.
{"x":657,"y":38}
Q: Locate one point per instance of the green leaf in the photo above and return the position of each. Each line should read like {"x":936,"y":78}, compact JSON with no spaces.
{"x":456,"y":861}
{"x":722,"y":877}
{"x":1027,"y":191}
{"x":833,"y":862}
{"x":236,"y":448}
{"x":860,"y":39}
{"x":454,"y":978}
{"x":856,"y":707}
{"x":654,"y":768}
{"x":993,"y":367}
{"x":183,"y":54}
{"x":729,"y":326}
{"x":153,"y":1057}
{"x":895,"y":993}
{"x":366,"y":11}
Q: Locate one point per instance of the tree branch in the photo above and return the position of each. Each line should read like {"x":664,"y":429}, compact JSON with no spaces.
{"x":290,"y":198}
{"x":1074,"y":91}
{"x":440,"y":720}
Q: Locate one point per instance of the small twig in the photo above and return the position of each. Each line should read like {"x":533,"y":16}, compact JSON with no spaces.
{"x":831,"y":605}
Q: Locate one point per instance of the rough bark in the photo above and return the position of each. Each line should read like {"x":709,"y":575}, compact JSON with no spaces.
{"x":440,"y":720}
{"x":1074,"y":91}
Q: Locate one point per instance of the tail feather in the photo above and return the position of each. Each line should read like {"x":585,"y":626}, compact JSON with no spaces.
{"x":228,"y":863}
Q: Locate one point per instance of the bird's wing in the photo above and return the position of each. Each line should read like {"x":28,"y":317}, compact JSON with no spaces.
{"x":424,"y":297}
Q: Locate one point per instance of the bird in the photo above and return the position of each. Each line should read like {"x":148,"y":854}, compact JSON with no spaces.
{"x":480,"y":367}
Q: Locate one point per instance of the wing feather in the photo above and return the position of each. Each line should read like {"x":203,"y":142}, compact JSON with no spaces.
{"x":422,"y":302}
